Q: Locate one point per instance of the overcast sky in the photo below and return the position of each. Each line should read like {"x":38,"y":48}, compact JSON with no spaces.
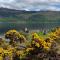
{"x":33,"y":5}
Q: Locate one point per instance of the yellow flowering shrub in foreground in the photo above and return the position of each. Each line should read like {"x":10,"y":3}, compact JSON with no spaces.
{"x":37,"y":43}
{"x":47,"y":45}
{"x":55,"y":35}
{"x":15,"y":36}
{"x":40,"y":42}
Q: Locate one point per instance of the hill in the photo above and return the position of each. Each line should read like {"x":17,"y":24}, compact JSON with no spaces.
{"x":34,"y":16}
{"x":19,"y":19}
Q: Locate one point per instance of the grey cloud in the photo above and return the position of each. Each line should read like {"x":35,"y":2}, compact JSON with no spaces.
{"x":30,"y":4}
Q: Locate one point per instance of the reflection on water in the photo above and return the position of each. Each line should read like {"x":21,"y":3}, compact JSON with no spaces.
{"x":4,"y":26}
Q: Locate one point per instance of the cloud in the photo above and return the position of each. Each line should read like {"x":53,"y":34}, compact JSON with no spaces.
{"x":31,"y":4}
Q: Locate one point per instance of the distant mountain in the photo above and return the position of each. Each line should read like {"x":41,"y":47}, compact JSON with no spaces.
{"x":5,"y":12}
{"x":22,"y":15}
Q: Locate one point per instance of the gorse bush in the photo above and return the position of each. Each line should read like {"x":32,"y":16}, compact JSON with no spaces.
{"x":44,"y":48}
{"x":39,"y":48}
{"x":14,"y":36}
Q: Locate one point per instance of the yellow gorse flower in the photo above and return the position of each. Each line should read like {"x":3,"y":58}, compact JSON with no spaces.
{"x":1,"y":58}
{"x":37,"y":44}
{"x":1,"y":49}
{"x":29,"y":49}
{"x":55,"y":35}
{"x":40,"y":42}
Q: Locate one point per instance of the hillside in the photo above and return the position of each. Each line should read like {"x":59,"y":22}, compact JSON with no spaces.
{"x":19,"y":19}
{"x":32,"y":16}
